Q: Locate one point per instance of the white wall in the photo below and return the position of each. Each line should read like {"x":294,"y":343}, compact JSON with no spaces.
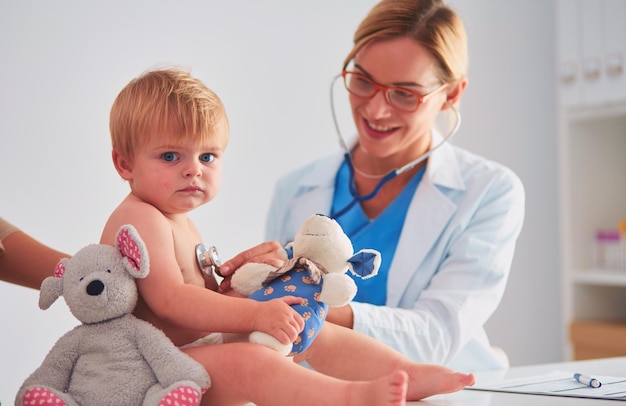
{"x":509,"y":115}
{"x":271,"y":62}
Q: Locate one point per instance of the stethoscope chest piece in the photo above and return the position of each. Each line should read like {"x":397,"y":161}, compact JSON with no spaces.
{"x":208,"y":260}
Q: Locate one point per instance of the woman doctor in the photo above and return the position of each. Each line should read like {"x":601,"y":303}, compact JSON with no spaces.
{"x":445,"y":220}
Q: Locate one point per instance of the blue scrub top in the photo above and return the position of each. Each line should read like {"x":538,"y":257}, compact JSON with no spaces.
{"x":381,"y":233}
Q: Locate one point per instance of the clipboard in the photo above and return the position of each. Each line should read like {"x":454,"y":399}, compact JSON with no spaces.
{"x":558,"y":383}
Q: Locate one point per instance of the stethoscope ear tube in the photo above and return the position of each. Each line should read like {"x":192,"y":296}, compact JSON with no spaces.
{"x":343,"y":144}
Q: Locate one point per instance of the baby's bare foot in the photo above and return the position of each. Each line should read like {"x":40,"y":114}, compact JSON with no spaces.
{"x":435,"y":379}
{"x":388,"y":391}
{"x":397,"y":386}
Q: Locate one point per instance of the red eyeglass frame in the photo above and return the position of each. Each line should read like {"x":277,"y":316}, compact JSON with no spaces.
{"x":378,"y":87}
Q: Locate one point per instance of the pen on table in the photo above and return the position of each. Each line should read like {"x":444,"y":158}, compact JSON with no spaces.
{"x":587,"y":380}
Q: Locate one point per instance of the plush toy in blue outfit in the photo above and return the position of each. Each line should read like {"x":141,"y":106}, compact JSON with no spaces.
{"x":321,"y":254}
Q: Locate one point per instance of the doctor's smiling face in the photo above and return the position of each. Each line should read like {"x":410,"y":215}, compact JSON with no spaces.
{"x":394,"y":124}
{"x":419,"y":49}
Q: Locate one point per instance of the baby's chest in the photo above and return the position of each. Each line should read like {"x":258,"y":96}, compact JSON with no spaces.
{"x":185,"y":249}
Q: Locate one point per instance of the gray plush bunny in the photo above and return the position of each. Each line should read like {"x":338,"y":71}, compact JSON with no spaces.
{"x":112,"y":358}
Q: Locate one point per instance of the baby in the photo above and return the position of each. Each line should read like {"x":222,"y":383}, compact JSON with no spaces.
{"x":169,"y":133}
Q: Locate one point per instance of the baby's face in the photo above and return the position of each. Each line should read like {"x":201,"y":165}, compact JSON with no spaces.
{"x":177,"y":175}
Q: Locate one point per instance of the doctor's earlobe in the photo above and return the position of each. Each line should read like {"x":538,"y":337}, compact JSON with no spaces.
{"x":455,"y":93}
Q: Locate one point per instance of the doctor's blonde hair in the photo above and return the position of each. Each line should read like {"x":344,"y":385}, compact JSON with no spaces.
{"x":429,"y":22}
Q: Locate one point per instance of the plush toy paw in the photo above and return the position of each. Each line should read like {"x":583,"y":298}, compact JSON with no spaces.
{"x":250,"y":277}
{"x":182,"y":395}
{"x":258,"y":337}
{"x":42,"y":396}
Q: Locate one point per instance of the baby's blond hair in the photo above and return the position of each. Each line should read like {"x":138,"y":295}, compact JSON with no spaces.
{"x":165,"y":99}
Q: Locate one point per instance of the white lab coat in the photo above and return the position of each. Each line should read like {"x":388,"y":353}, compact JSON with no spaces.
{"x":453,"y":258}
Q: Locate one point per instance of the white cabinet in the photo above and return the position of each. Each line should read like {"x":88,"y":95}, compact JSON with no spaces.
{"x":569,"y":61}
{"x":591,"y":48}
{"x":591,"y":44}
{"x":615,"y":50}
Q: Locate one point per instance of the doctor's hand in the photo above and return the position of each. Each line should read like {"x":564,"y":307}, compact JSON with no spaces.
{"x":269,"y":252}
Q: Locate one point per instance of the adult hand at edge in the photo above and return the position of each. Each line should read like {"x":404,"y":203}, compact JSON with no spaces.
{"x":268,"y":252}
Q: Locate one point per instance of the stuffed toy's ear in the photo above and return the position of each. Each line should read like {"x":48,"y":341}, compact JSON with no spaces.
{"x":365,"y":263}
{"x":52,"y":287}
{"x":133,"y":250}
{"x":286,"y":252}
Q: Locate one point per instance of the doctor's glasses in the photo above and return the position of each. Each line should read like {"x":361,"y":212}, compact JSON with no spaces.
{"x":398,"y":97}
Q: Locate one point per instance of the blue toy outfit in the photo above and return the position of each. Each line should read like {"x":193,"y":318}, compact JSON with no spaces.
{"x":303,"y":278}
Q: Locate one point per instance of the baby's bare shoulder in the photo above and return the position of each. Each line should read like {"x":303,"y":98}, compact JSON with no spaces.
{"x":143,"y":216}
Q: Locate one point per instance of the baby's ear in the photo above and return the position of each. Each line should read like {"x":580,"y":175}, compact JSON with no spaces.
{"x":122,"y":166}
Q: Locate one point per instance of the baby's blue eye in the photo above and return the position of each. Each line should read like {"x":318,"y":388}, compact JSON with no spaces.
{"x":207,"y":157}
{"x":169,"y":156}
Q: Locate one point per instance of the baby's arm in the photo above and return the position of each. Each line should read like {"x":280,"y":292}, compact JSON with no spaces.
{"x":188,"y":304}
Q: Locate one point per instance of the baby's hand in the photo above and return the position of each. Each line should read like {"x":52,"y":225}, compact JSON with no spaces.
{"x":278,"y":319}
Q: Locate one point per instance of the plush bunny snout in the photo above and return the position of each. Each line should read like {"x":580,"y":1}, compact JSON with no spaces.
{"x":94,"y":288}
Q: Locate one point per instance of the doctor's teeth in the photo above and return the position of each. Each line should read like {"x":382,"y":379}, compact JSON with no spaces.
{"x":379,"y":128}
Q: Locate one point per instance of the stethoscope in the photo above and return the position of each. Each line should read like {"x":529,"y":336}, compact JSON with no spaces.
{"x":356,"y":196}
{"x":208,"y":260}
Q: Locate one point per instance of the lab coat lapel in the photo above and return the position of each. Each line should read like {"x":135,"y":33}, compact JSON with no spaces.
{"x":428,"y":215}
{"x":318,"y":198}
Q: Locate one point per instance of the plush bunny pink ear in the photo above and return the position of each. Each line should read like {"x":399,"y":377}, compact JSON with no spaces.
{"x":128,"y":247}
{"x":133,"y":250}
{"x":59,"y":270}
